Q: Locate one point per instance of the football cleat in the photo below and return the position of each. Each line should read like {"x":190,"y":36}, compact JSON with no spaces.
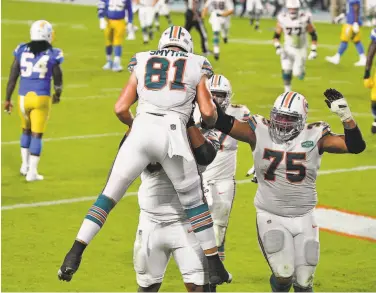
{"x":24,"y":169}
{"x":362,"y":61}
{"x":373,"y":129}
{"x":107,"y":66}
{"x":333,"y":59}
{"x":31,"y":176}
{"x":69,"y":267}
{"x":117,"y":67}
{"x":225,"y":40}
{"x":217,"y":271}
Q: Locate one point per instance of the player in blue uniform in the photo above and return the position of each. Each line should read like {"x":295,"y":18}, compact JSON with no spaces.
{"x":351,"y":32}
{"x":111,"y":14}
{"x":36,"y":62}
{"x":370,"y":81}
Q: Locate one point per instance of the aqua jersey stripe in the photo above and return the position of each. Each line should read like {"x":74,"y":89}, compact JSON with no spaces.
{"x":207,"y":217}
{"x":253,"y":125}
{"x":197,"y":210}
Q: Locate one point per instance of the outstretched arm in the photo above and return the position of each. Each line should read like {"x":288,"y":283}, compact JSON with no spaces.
{"x":126,"y":99}
{"x":205,"y":102}
{"x":13,"y":76}
{"x":352,"y":141}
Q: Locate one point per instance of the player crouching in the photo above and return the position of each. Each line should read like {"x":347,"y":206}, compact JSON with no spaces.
{"x":294,"y":24}
{"x":37,"y":62}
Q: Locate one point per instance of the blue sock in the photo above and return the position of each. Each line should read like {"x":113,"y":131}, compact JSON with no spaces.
{"x":359,"y":47}
{"x":373,"y":107}
{"x":100,"y":209}
{"x":342,"y":48}
{"x":117,"y":50}
{"x":35,"y":146}
{"x":25,"y":140}
{"x":108,"y":53}
{"x":276,"y":287}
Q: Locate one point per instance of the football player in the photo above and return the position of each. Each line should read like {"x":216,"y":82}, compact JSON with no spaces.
{"x":36,"y":62}
{"x":146,"y":14}
{"x":112,"y":14}
{"x":219,"y":20}
{"x":287,"y":154}
{"x":369,"y":81}
{"x":295,"y":25}
{"x":219,"y":176}
{"x":165,"y":82}
{"x":254,"y":9}
{"x":164,"y":230}
{"x":162,"y":10}
{"x":351,"y":32}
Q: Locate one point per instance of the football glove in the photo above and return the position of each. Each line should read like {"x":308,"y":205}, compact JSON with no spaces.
{"x":55,"y":99}
{"x":312,"y":55}
{"x":8,"y":106}
{"x":278,"y":49}
{"x":337,"y":104}
{"x":102,"y":23}
{"x":355,"y":27}
{"x":69,"y":267}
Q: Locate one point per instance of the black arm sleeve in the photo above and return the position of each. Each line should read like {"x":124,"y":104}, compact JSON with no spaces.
{"x":57,"y":75}
{"x":224,"y":122}
{"x":205,"y":153}
{"x":314,"y":36}
{"x":354,"y":140}
{"x":277,"y":36}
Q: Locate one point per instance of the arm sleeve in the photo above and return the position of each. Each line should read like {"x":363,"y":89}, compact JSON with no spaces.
{"x":132,"y":63}
{"x":207,"y":69}
{"x":129,"y":10}
{"x":101,"y":9}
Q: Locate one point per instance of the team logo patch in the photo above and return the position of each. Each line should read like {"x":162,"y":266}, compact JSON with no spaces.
{"x":307,"y":144}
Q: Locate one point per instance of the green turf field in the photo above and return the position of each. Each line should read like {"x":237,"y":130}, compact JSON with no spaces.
{"x":36,"y":239}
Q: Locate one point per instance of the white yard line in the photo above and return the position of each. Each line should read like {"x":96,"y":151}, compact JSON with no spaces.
{"x":89,"y":198}
{"x":77,"y":26}
{"x":270,"y":42}
{"x":69,"y":137}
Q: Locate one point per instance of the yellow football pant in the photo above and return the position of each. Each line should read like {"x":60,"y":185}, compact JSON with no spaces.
{"x":114,"y":32}
{"x":347,"y":34}
{"x":34,"y":111}
{"x":373,"y":90}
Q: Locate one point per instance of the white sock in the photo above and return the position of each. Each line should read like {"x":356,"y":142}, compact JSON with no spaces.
{"x":362,"y":56}
{"x":87,"y":231}
{"x":108,"y":58}
{"x":34,"y":161}
{"x":117,"y":60}
{"x":216,"y":50}
{"x":25,"y":156}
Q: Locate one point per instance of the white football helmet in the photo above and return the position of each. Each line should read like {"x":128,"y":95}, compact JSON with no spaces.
{"x":293,"y":8}
{"x":288,"y":116}
{"x":41,"y":30}
{"x":176,"y":36}
{"x":221,"y":90}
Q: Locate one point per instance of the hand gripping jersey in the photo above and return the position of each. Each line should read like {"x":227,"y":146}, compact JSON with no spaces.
{"x":167,"y":80}
{"x":115,"y":9}
{"x":294,"y":30}
{"x":219,"y":6}
{"x":224,"y":164}
{"x":350,"y":13}
{"x":36,"y":71}
{"x":157,"y":197}
{"x":286,"y":173}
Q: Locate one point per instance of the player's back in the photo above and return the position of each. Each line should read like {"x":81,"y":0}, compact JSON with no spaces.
{"x":36,"y":70}
{"x":350,"y":13}
{"x":167,"y":80}
{"x":286,"y":173}
{"x":112,"y":9}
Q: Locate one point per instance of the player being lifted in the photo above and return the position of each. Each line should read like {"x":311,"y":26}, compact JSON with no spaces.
{"x":36,"y":62}
{"x":369,"y":81}
{"x":219,"y":176}
{"x":294,"y":24}
{"x":287,"y":154}
{"x":162,"y":9}
{"x":219,"y":20}
{"x":164,"y":229}
{"x":165,"y":82}
{"x":146,"y":14}
{"x":351,"y":32}
{"x":111,"y":14}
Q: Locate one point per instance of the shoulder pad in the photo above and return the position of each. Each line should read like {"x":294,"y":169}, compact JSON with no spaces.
{"x":207,"y":69}
{"x":18,"y":49}
{"x":58,"y":55}
{"x":132,"y":63}
{"x":320,"y":126}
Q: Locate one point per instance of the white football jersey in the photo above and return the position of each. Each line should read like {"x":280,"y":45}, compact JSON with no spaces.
{"x":286,"y":173}
{"x":167,"y":80}
{"x":224,"y":164}
{"x":157,"y":197}
{"x":218,"y":6}
{"x":295,"y":30}
{"x":146,"y":2}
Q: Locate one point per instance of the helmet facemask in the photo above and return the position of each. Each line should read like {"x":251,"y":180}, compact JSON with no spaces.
{"x":293,"y":12}
{"x":222,"y":97}
{"x":285,"y":126}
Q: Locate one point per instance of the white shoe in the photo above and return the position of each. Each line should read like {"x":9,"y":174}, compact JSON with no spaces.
{"x":362,"y":61}
{"x":117,"y":67}
{"x":334,"y":59}
{"x":107,"y":66}
{"x":24,"y":169}
{"x":33,"y":177}
{"x":131,"y":36}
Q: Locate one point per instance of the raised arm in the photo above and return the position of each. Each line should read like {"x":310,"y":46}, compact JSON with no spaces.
{"x":352,"y":141}
{"x":126,"y":99}
{"x":205,"y":102}
{"x":12,"y":81}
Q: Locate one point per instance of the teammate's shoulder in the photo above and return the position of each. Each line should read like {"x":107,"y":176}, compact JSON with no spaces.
{"x":133,"y":61}
{"x":20,"y":48}
{"x":206,"y":67}
{"x":257,"y":120}
{"x":240,"y":112}
{"x":321,"y":127}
